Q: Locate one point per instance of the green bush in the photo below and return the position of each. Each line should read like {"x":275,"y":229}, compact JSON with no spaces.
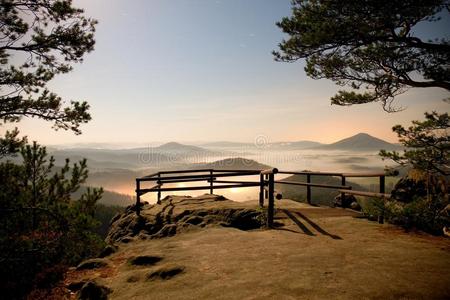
{"x":427,"y":214}
{"x":373,"y":208}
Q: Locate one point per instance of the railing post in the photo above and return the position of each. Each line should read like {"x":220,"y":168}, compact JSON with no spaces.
{"x":382,"y":184}
{"x":159,"y":191}
{"x":138,"y":196}
{"x":270,"y":210}
{"x":342,"y":194}
{"x":382,"y":191}
{"x":308,"y":189}
{"x":211,"y":191}
{"x":261,"y":190}
{"x":266,"y":192}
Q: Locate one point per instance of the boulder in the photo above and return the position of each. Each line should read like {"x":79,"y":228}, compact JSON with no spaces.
{"x":91,"y":290}
{"x":407,"y":189}
{"x":355,"y":206}
{"x":76,"y":285}
{"x":346,"y":202}
{"x":93,"y":263}
{"x":107,"y":251}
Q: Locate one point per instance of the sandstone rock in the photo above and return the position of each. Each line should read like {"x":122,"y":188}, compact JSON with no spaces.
{"x":346,"y":202}
{"x":76,"y":285}
{"x":93,"y":291}
{"x":406,"y":189}
{"x":108,"y":250}
{"x":176,"y":214}
{"x":355,"y":206}
{"x":93,"y":263}
{"x":167,"y":230}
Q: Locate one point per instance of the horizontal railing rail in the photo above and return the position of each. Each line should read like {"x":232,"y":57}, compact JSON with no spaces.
{"x":366,"y":194}
{"x":327,"y":186}
{"x":311,"y":173}
{"x":266,"y":184}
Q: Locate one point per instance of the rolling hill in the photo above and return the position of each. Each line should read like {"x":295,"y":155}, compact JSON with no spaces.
{"x":109,"y":198}
{"x":173,"y":148}
{"x":110,"y":159}
{"x":226,"y":144}
{"x":237,"y":163}
{"x":299,"y":145}
{"x":134,"y":158}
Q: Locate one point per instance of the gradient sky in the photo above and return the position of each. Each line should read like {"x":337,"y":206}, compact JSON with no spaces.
{"x":198,"y":70}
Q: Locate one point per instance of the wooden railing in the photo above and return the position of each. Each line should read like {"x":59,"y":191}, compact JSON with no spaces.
{"x":266,"y":184}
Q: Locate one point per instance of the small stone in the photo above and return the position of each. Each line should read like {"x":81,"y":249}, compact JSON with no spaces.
{"x":108,"y":250}
{"x":93,"y":263}
{"x":76,"y":286}
{"x":355,"y":206}
{"x":346,"y":202}
{"x":133,"y":278}
{"x":93,"y":291}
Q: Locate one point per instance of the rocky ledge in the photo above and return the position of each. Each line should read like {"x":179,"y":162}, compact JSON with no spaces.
{"x":177,"y":214}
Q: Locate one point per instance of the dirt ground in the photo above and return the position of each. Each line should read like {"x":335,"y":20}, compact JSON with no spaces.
{"x":317,"y":253}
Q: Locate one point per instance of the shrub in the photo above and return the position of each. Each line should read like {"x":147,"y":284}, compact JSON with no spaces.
{"x":424,"y":192}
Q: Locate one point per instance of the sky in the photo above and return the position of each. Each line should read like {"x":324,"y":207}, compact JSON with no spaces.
{"x":202,"y":70}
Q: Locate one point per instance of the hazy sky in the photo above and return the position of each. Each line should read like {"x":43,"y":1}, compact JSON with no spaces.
{"x":198,"y":70}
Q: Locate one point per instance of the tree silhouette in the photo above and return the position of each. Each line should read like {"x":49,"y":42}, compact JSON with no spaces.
{"x":38,"y":40}
{"x":367,"y":45}
{"x":41,"y":226}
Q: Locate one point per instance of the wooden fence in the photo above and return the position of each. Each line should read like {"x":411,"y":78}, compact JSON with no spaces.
{"x":266,"y":183}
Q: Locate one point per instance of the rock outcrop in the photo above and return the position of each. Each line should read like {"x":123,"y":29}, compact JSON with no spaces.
{"x":93,"y":263}
{"x":348,"y":201}
{"x":180,"y":213}
{"x":91,"y":290}
{"x":312,"y":244}
{"x":407,"y":189}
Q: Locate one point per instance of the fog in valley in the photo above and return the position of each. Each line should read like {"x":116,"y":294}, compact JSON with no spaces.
{"x":115,"y":169}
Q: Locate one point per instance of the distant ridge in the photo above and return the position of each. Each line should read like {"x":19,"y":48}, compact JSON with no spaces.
{"x":177,"y":147}
{"x":360,"y":142}
{"x":299,"y":145}
{"x":226,"y":144}
{"x":172,"y":148}
{"x":237,"y":163}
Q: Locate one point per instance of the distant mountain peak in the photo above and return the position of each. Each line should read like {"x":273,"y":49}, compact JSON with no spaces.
{"x":362,"y":134}
{"x":360,"y":142}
